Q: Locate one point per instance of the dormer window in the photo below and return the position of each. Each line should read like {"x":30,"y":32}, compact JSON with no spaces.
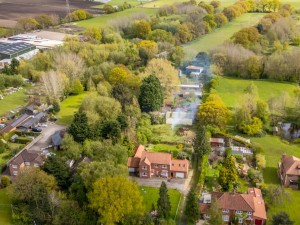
{"x":239,"y":212}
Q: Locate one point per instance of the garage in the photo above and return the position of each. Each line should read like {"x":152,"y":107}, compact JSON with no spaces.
{"x":179,"y":175}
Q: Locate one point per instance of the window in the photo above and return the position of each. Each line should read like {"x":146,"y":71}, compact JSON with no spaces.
{"x":179,"y":164}
{"x":15,"y":173}
{"x":156,"y":166}
{"x":238,"y":212}
{"x":225,"y":210}
{"x":14,"y":166}
{"x":144,"y":174}
{"x":226,"y":218}
{"x":249,"y":213}
{"x":144,"y":167}
{"x":164,"y":166}
{"x":27,"y":163}
{"x":36,"y":165}
{"x":240,"y":220}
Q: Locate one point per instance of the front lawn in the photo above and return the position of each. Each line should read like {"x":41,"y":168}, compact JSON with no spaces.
{"x":151,"y":195}
{"x":68,"y":107}
{"x":5,"y":209}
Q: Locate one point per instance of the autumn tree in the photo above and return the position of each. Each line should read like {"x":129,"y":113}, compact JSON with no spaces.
{"x":215,"y":3}
{"x":27,"y":24}
{"x":93,"y":33}
{"x":159,"y":35}
{"x":163,"y":202}
{"x":209,"y":8}
{"x":114,"y":198}
{"x":46,"y":20}
{"x":183,"y":34}
{"x":246,"y":36}
{"x":220,"y":19}
{"x":166,"y":73}
{"x":151,"y":95}
{"x":213,"y":112}
{"x":141,"y":29}
{"x":191,"y":210}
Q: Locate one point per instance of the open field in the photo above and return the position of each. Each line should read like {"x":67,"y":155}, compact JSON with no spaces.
{"x":5,"y":211}
{"x":13,"y":101}
{"x":68,"y":107}
{"x":104,"y":20}
{"x":14,"y":10}
{"x":151,"y":195}
{"x":231,"y":89}
{"x":218,"y":36}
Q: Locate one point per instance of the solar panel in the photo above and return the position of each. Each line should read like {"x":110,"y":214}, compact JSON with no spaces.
{"x":13,"y":48}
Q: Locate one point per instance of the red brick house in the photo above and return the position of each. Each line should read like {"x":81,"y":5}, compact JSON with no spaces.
{"x":149,"y":164}
{"x":25,"y":159}
{"x":289,"y":171}
{"x":246,"y":208}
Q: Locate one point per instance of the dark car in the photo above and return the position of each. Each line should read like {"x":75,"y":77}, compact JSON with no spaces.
{"x":36,"y":129}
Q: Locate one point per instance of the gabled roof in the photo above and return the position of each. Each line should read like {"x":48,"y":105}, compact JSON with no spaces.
{"x":133,"y":162}
{"x":16,"y":122}
{"x":56,"y":138}
{"x":158,"y":157}
{"x":291,"y":165}
{"x":139,"y":151}
{"x":145,"y":161}
{"x":180,"y":165}
{"x":28,"y":156}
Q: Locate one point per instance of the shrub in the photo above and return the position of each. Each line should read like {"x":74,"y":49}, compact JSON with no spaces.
{"x":297,"y":141}
{"x":5,"y":181}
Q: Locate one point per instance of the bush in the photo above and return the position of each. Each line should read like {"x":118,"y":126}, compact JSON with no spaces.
{"x":238,"y":158}
{"x":5,"y":181}
{"x":23,"y":140}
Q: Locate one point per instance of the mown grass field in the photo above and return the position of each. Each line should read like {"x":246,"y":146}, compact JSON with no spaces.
{"x":104,"y":20}
{"x":68,"y":107}
{"x":218,"y":36}
{"x":151,"y":195}
{"x":5,"y":210}
{"x":13,"y":101}
{"x":231,"y":89}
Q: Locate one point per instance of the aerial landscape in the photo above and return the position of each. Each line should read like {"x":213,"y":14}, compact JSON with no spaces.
{"x":150,"y":112}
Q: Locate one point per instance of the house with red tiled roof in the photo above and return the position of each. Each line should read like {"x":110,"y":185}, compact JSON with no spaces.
{"x":246,"y":208}
{"x":289,"y":171}
{"x":150,"y":164}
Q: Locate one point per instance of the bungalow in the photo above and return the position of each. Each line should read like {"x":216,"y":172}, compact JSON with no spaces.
{"x":246,"y":208}
{"x":289,"y":171}
{"x":149,"y":164}
{"x":14,"y":124}
{"x":25,"y":159}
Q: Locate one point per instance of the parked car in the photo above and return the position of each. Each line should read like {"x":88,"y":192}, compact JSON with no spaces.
{"x":36,"y":129}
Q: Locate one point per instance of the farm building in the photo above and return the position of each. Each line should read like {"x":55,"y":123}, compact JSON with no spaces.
{"x":13,"y":50}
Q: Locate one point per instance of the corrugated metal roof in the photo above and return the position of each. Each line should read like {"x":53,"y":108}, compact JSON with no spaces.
{"x":13,"y":48}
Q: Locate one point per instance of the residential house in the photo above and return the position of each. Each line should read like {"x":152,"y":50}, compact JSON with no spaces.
{"x":194,"y":70}
{"x":218,"y":145}
{"x":27,"y":158}
{"x":32,"y":122}
{"x":246,"y":208}
{"x":149,"y":164}
{"x":237,"y":150}
{"x":14,"y":124}
{"x":289,"y":171}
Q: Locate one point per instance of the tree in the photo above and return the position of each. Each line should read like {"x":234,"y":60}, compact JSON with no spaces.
{"x":27,"y":24}
{"x":260,"y":161}
{"x":159,"y":35}
{"x":254,"y":67}
{"x":228,"y":174}
{"x":220,"y":19}
{"x":213,"y":112}
{"x":151,"y":95}
{"x":163,"y":202}
{"x":93,"y":34}
{"x":246,"y":36}
{"x":71,"y":149}
{"x":141,"y":29}
{"x":114,"y":198}
{"x":202,"y":143}
{"x":252,"y":128}
{"x":122,"y":94}
{"x":111,"y":129}
{"x":77,"y":87}
{"x":215,"y":3}
{"x":215,"y":214}
{"x":117,"y":75}
{"x":45,"y":21}
{"x":183,"y":34}
{"x":5,"y":181}
{"x":58,"y":167}
{"x":166,"y":73}
{"x":282,"y":218}
{"x":191,"y":210}
{"x":79,"y":127}
{"x":209,"y":8}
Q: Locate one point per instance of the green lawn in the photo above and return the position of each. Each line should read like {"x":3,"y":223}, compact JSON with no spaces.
{"x":218,"y":36}
{"x":165,"y":133}
{"x":104,"y":20}
{"x":5,"y":210}
{"x":68,"y":107}
{"x":11,"y":102}
{"x":151,"y":194}
{"x":231,"y":89}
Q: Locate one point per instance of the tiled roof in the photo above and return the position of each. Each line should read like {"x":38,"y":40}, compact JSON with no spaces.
{"x":133,"y":162}
{"x":180,"y":165}
{"x":139,"y":151}
{"x":217,"y":140}
{"x":291,"y":165}
{"x":158,"y":157}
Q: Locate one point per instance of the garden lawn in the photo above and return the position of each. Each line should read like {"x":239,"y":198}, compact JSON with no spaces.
{"x":166,"y":134}
{"x":13,"y":101}
{"x":231,"y":89}
{"x":151,"y":195}
{"x":218,"y":36}
{"x":104,"y":20}
{"x":5,"y":210}
{"x":68,"y":107}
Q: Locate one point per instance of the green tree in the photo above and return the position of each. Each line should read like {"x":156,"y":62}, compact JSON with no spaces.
{"x":77,"y":87}
{"x":111,"y":129}
{"x":228,"y":174}
{"x":58,"y":167}
{"x":215,"y":214}
{"x":5,"y":181}
{"x":160,"y":35}
{"x":202,"y":143}
{"x":151,"y":94}
{"x":45,"y":20}
{"x":141,"y":29}
{"x":79,"y":127}
{"x":122,"y":94}
{"x":114,"y":198}
{"x":191,"y":210}
{"x":27,"y":24}
{"x":163,"y":202}
{"x":282,"y":218}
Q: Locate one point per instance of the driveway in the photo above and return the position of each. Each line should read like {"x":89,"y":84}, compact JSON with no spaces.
{"x":46,"y":133}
